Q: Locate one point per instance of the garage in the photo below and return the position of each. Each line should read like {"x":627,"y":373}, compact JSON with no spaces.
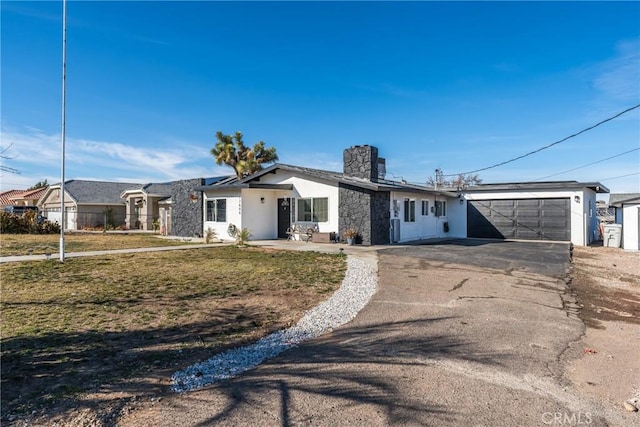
{"x":528,"y":219}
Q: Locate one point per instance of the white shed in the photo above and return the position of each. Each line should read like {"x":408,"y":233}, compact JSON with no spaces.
{"x":627,"y":206}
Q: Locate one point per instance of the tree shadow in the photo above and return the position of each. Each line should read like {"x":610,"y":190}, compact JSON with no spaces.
{"x":352,"y":365}
{"x":39,"y":373}
{"x":42,"y":372}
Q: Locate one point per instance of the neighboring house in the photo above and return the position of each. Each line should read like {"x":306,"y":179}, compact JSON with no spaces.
{"x":627,"y":213}
{"x":269,"y":202}
{"x":173,"y":208}
{"x":563,"y":210}
{"x":88,"y":204}
{"x":21,"y":197}
{"x":6,"y":197}
{"x":143,"y":208}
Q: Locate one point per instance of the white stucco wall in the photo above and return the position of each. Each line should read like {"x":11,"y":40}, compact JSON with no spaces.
{"x":246,"y":208}
{"x":261,"y":219}
{"x":426,"y":226}
{"x":631,"y":227}
{"x":234,"y":213}
{"x":583,"y":226}
{"x":305,"y":188}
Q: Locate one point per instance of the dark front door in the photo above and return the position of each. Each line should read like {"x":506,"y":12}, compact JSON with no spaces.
{"x":284,"y":217}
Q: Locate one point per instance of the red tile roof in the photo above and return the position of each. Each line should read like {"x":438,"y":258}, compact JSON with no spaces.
{"x":6,"y":198}
{"x":9,"y":197}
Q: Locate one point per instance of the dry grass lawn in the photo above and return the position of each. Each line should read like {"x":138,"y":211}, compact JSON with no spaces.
{"x":37,"y":244}
{"x":117,"y":326}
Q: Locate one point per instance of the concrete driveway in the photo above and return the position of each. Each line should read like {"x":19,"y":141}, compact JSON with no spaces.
{"x":459,"y":333}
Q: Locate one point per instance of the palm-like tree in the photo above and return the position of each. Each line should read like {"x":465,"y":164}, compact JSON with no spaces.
{"x":231,"y":151}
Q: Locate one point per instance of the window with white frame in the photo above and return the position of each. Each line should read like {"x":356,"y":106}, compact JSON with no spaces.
{"x":314,"y":209}
{"x":409,"y":210}
{"x":425,"y":207}
{"x":217,"y":210}
{"x":441,"y":208}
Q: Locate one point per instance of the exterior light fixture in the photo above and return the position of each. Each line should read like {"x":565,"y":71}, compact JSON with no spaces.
{"x":262,"y":200}
{"x":193,"y":197}
{"x":577,"y":199}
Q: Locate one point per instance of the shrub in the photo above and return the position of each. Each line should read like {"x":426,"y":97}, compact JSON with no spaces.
{"x":29,"y":223}
{"x":209,"y":235}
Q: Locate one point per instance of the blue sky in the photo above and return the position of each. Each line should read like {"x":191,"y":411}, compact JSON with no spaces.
{"x":458,"y":86}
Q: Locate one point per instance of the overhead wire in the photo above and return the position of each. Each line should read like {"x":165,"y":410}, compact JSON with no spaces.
{"x":549,"y":145}
{"x":588,"y":164}
{"x":621,"y":176}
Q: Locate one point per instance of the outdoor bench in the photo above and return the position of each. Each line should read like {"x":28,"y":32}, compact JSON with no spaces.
{"x":302,"y":231}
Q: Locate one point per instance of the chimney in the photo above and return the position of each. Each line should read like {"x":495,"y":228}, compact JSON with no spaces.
{"x":362,"y":161}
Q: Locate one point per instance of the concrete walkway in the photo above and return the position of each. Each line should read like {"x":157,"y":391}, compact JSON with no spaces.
{"x":367,"y":253}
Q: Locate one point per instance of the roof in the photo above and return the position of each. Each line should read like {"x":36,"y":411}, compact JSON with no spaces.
{"x":6,"y":197}
{"x":96,"y":192}
{"x":617,"y":200}
{"x":33,"y":194}
{"x":152,"y":189}
{"x":538,"y":186}
{"x":252,"y":181}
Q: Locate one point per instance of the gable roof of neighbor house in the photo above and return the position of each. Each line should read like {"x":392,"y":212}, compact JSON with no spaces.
{"x":538,"y":186}
{"x":617,"y":200}
{"x":94,"y":192}
{"x":31,"y":194}
{"x":253,"y":181}
{"x":150,"y":189}
{"x":7,"y":197}
{"x":10,"y":197}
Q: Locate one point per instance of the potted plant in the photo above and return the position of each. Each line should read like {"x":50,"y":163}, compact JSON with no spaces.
{"x":350,"y":234}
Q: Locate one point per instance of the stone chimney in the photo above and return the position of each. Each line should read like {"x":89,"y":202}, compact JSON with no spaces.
{"x":362,"y":161}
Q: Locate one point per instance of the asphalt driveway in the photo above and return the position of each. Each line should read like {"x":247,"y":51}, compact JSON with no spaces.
{"x":459,"y":333}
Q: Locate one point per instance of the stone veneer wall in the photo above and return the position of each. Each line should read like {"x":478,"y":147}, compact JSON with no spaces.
{"x":361,"y":161}
{"x":186,"y":216}
{"x":367,"y":212}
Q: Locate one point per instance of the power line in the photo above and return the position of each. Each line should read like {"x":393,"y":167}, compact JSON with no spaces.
{"x":621,"y":176}
{"x":589,"y":164}
{"x":550,"y":145}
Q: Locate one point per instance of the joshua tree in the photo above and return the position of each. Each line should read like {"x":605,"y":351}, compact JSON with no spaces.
{"x":231,"y":151}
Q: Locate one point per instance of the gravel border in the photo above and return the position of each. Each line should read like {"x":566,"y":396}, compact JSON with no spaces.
{"x":358,"y":286}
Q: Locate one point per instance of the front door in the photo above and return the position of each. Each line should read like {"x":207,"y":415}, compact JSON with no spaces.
{"x":284,"y":217}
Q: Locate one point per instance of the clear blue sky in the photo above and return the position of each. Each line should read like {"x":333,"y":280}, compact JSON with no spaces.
{"x":452,"y":85}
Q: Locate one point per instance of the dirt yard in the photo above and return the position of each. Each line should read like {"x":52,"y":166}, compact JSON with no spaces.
{"x":606,"y":282}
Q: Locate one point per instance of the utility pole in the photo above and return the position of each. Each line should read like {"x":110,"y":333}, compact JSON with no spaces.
{"x":64,"y":112}
{"x":438,"y":178}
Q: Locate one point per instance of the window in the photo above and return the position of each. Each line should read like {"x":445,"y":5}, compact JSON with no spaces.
{"x":315,"y":209}
{"x":409,"y":210}
{"x":425,"y":207}
{"x":441,"y":208}
{"x":217,"y":210}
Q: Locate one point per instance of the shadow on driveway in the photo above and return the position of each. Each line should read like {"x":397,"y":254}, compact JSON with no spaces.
{"x":355,"y":372}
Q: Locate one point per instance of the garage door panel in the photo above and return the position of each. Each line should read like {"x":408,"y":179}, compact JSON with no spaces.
{"x":535,"y":203}
{"x":553,"y":213}
{"x":531,"y":219}
{"x":529,"y":223}
{"x":503,"y":203}
{"x":528,"y":213}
